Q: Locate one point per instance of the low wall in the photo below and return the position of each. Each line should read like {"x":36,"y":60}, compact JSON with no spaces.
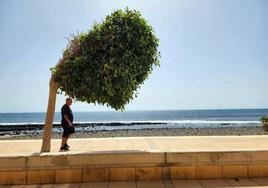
{"x":130,"y":166}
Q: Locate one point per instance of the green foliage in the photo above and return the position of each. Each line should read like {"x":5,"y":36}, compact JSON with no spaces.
{"x":107,"y":64}
{"x":264,"y":123}
{"x":264,"y":120}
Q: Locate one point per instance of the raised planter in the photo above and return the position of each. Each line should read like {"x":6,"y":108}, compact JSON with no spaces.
{"x":131,"y":166}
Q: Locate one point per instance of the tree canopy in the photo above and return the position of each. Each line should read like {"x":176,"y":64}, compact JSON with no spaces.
{"x":107,"y":64}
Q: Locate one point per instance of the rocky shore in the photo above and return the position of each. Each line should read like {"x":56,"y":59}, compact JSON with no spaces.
{"x":145,"y":132}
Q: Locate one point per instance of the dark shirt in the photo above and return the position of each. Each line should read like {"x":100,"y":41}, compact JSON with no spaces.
{"x":66,"y":110}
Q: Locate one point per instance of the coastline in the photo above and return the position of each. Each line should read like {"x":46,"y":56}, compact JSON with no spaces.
{"x":149,"y":132}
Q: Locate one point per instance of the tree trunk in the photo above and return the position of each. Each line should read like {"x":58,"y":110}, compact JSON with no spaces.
{"x":53,"y":87}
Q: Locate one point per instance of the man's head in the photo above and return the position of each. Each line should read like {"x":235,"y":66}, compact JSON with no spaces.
{"x":69,"y":101}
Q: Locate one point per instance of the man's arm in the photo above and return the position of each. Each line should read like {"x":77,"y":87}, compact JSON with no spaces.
{"x":67,"y":119}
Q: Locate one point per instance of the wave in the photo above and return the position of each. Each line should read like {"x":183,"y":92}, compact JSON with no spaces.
{"x":114,"y":123}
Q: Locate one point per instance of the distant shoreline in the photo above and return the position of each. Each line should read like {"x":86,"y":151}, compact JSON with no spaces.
{"x":145,"y":110}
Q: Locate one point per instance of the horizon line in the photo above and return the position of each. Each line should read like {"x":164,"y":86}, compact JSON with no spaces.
{"x":266,"y":108}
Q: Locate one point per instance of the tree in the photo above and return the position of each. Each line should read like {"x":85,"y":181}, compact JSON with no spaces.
{"x":105,"y":65}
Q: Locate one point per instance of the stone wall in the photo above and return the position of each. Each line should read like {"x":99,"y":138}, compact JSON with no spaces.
{"x":128,"y":166}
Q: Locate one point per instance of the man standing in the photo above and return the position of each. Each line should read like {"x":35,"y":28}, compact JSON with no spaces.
{"x":66,"y":123}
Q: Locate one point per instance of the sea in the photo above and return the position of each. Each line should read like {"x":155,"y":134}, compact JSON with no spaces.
{"x":17,"y":123}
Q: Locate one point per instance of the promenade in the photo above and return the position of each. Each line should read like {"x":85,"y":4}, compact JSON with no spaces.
{"x":165,"y":162}
{"x":140,"y":144}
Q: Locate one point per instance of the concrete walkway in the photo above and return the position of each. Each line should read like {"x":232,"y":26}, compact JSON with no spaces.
{"x":136,"y":161}
{"x":138,"y":144}
{"x":245,"y":183}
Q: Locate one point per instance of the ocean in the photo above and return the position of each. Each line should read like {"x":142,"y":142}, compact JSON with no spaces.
{"x":159,"y":119}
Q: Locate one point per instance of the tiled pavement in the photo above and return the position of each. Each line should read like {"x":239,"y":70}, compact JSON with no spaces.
{"x":138,"y":144}
{"x":151,"y":144}
{"x":239,"y":183}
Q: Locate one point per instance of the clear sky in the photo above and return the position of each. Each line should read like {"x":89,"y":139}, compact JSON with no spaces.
{"x":214,"y":52}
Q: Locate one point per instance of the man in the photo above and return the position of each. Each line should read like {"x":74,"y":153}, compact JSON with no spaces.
{"x":66,"y":123}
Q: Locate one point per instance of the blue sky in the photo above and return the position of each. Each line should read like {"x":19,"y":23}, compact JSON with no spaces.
{"x":214,"y":52}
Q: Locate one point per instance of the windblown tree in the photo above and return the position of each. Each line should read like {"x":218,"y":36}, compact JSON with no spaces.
{"x":105,"y":65}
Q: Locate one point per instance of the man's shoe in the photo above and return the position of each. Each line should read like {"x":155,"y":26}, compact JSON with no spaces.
{"x":64,"y":148}
{"x":66,"y":145}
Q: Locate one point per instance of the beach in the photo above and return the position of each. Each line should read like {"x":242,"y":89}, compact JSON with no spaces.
{"x":145,"y":132}
{"x":138,"y":123}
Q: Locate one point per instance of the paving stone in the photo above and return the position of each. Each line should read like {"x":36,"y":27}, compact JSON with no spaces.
{"x":39,"y":186}
{"x":186,"y":184}
{"x":76,"y":185}
{"x":261,"y":181}
{"x":122,"y":184}
{"x":215,"y":183}
{"x":95,"y":185}
{"x":150,"y":184}
{"x":242,"y":182}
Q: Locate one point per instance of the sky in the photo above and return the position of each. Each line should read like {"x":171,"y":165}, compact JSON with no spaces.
{"x":214,"y":53}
